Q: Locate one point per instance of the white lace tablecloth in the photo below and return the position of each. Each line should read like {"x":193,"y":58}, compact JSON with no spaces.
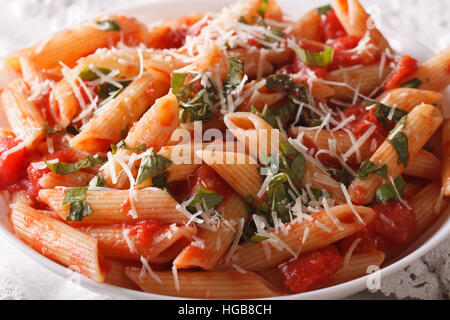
{"x":22,"y":21}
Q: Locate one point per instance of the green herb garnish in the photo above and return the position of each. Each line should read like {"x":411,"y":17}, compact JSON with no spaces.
{"x":368,"y":167}
{"x":67,"y":168}
{"x":78,"y":207}
{"x":152,"y":165}
{"x":387,"y":191}
{"x":399,"y":141}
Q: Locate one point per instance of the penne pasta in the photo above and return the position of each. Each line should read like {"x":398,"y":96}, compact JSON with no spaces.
{"x":421,"y":123}
{"x":58,"y":241}
{"x":204,"y":285}
{"x":407,"y":98}
{"x":322,"y":231}
{"x":115,"y":206}
{"x":446,"y":157}
{"x":105,"y":128}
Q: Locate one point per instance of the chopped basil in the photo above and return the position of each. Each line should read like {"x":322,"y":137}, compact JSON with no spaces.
{"x":283,"y":82}
{"x":108,"y":25}
{"x":160,"y":181}
{"x":345,"y":177}
{"x":122,"y":145}
{"x":67,"y":168}
{"x":315,"y":59}
{"x":368,"y":167}
{"x":399,"y":141}
{"x":88,"y":75}
{"x":50,"y":131}
{"x":124,"y":132}
{"x":249,"y":234}
{"x":263,"y":9}
{"x":387,"y":191}
{"x":295,"y":169}
{"x":78,"y":207}
{"x":194,"y":105}
{"x":413,"y":83}
{"x":382,"y":112}
{"x":73,"y":129}
{"x":324,"y":9}
{"x":98,"y":181}
{"x":204,"y":197}
{"x":235,"y":74}
{"x":150,"y":166}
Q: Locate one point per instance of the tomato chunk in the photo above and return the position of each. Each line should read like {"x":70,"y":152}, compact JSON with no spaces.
{"x":393,"y":221}
{"x":405,"y":67}
{"x":364,"y":119}
{"x":145,"y":231}
{"x":311,"y":269}
{"x":207,"y":178}
{"x":11,"y":165}
{"x":332,"y":27}
{"x":35,"y":173}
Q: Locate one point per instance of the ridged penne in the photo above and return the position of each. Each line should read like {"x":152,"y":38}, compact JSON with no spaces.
{"x":23,"y":115}
{"x":70,"y":45}
{"x":407,"y":98}
{"x":446,"y":157}
{"x":77,"y":179}
{"x":58,"y":241}
{"x":143,"y":239}
{"x":105,"y":128}
{"x":322,"y":231}
{"x":421,"y":123}
{"x":215,"y":242}
{"x":204,"y":284}
{"x":114,"y":206}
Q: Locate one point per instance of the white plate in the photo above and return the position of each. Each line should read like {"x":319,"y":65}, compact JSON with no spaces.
{"x":160,"y":9}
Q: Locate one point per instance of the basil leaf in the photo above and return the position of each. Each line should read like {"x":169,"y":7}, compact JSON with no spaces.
{"x":267,"y":115}
{"x":288,"y":149}
{"x":413,"y":83}
{"x":78,"y":207}
{"x":315,"y":59}
{"x":368,"y":167}
{"x":88,"y":75}
{"x":345,"y":177}
{"x":399,"y":141}
{"x":152,"y":165}
{"x":193,"y":105}
{"x":67,"y":168}
{"x":98,"y":181}
{"x":278,"y":196}
{"x":249,"y":234}
{"x":382,"y":112}
{"x":122,"y":145}
{"x":263,"y":9}
{"x":49,"y":131}
{"x":160,"y":181}
{"x":387,"y":192}
{"x":235,"y":74}
{"x":205,"y":197}
{"x":73,"y":129}
{"x":324,"y":9}
{"x":108,"y":25}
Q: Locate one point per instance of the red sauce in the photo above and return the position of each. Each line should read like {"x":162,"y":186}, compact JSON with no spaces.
{"x":396,"y":226}
{"x":398,"y":223}
{"x":311,"y":269}
{"x":331,"y":27}
{"x":145,"y":231}
{"x":207,"y":178}
{"x":11,"y":165}
{"x":34,"y":174}
{"x":405,"y":67}
{"x":364,"y":119}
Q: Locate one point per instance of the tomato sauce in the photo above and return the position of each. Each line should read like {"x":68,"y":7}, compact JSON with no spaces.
{"x":312,"y":269}
{"x":145,"y":231}
{"x":405,"y":67}
{"x":207,"y":178}
{"x":364,"y":119}
{"x":34,"y":174}
{"x":11,"y":165}
{"x":331,"y":27}
{"x":393,"y":224}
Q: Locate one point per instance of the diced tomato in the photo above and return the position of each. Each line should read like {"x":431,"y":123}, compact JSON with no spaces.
{"x":364,"y":119}
{"x":366,"y":243}
{"x":311,"y":269}
{"x":34,"y":174}
{"x":393,"y":221}
{"x":332,"y":27}
{"x":145,"y":231}
{"x":11,"y":165}
{"x":405,"y":67}
{"x":207,"y":178}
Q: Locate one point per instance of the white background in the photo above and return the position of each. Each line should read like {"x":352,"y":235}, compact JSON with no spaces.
{"x":23,"y":21}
